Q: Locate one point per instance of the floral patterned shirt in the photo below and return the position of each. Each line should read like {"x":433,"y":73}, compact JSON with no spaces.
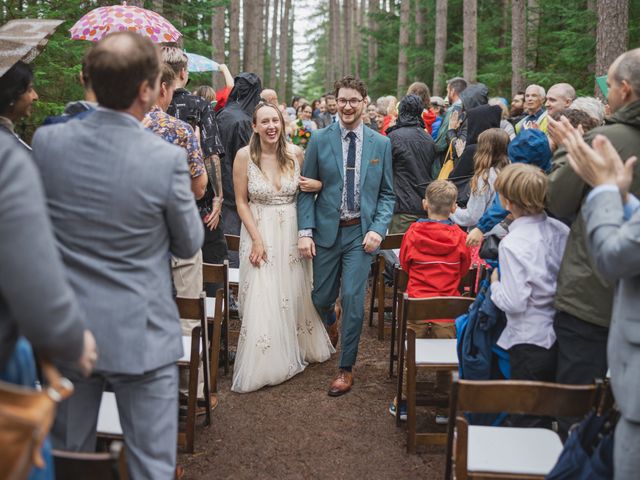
{"x":178,"y":133}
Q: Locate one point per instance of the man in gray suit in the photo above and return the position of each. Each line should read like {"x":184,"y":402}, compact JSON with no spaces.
{"x":612,"y":218}
{"x":120,"y":202}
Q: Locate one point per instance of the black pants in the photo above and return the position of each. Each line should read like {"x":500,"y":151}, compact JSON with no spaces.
{"x":582,"y":356}
{"x":531,"y":362}
{"x":582,"y":350}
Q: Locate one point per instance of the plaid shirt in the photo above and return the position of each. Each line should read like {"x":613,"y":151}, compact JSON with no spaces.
{"x":178,"y":133}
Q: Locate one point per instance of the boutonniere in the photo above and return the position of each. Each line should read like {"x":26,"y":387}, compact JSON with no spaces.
{"x":375,"y":161}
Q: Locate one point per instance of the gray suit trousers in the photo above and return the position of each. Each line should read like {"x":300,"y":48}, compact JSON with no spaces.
{"x":148,"y":407}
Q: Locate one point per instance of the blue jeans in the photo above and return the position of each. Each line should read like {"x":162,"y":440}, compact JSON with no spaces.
{"x":21,"y":370}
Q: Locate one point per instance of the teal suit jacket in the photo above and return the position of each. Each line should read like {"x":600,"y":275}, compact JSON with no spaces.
{"x":323,"y":161}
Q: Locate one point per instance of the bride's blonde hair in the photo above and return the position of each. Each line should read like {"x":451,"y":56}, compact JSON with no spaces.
{"x":283,"y":155}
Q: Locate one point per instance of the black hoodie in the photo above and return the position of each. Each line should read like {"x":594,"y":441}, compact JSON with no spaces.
{"x":235,"y":125}
{"x":412,"y":153}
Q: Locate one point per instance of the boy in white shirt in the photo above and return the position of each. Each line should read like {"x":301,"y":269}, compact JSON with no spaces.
{"x":525,"y":288}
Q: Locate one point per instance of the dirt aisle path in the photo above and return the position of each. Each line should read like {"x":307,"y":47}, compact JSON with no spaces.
{"x":295,"y":430}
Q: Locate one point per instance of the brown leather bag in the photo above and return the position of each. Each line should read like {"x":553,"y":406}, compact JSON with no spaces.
{"x":26,"y":416}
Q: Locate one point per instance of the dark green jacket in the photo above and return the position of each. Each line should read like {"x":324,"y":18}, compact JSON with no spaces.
{"x":582,"y":291}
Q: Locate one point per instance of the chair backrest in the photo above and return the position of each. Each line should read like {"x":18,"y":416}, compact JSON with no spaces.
{"x":392,"y":241}
{"x":524,"y":397}
{"x":400,"y":279}
{"x":468,"y":281}
{"x":192,"y":308}
{"x":433,"y":308}
{"x":96,"y":466}
{"x":233,"y":242}
{"x":216,"y":272}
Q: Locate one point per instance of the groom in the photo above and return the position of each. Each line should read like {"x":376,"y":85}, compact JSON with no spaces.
{"x":343,"y":226}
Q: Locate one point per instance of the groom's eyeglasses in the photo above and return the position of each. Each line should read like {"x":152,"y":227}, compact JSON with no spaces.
{"x":353,"y":102}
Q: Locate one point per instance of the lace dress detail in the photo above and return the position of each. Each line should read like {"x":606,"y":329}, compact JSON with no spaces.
{"x":281,"y":330}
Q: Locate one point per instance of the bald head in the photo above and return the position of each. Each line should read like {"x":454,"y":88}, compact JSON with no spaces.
{"x":559,"y":97}
{"x":624,"y":79}
{"x":270,"y":96}
{"x":118,"y":67}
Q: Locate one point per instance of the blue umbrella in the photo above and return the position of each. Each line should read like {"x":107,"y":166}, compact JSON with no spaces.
{"x":198,"y":63}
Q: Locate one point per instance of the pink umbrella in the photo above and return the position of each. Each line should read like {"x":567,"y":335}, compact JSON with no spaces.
{"x":102,"y":21}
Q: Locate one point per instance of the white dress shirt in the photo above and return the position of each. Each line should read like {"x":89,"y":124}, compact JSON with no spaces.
{"x":530,"y":257}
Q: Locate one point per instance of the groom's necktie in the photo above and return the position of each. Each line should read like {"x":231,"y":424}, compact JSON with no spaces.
{"x":351,"y":172}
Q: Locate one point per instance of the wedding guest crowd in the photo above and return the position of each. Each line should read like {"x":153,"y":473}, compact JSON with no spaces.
{"x":133,"y":187}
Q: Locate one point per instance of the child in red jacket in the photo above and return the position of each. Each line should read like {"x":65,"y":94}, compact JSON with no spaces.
{"x":435,"y":256}
{"x":434,"y":252}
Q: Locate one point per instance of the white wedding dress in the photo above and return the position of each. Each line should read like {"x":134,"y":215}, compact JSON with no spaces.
{"x":281,"y":330}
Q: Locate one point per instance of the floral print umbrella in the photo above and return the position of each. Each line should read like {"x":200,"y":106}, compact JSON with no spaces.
{"x":102,"y":21}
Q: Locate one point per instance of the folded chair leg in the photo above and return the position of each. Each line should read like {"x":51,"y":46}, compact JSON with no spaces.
{"x":374,"y":287}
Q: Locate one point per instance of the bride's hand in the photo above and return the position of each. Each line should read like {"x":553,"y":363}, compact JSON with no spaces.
{"x":258,"y":254}
{"x":310,"y":185}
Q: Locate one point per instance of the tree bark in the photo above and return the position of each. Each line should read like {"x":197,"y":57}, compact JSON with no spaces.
{"x":234,"y":37}
{"x":403,"y":46}
{"x":217,"y":43}
{"x":346,"y":50}
{"x":157,"y":6}
{"x":419,"y":40}
{"x":612,"y":32}
{"x":372,"y":44}
{"x":504,"y":26}
{"x":440,"y":47}
{"x":274,"y":45}
{"x":470,"y":40}
{"x":518,"y":46}
{"x":249,"y":36}
{"x":335,"y":41}
{"x":533,"y":30}
{"x":265,"y":42}
{"x":355,"y":36}
{"x":284,"y":53}
{"x":258,"y":45}
{"x":290,"y":33}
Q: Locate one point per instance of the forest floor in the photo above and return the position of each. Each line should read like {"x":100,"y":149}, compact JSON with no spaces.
{"x":295,"y":430}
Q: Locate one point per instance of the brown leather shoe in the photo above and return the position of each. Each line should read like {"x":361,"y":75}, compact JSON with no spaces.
{"x":342,"y":384}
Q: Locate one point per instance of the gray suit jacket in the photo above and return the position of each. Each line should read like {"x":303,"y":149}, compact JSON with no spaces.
{"x":615,"y":246}
{"x":120,"y":202}
{"x":35,"y":298}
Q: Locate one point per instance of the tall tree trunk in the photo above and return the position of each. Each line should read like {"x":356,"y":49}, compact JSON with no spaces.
{"x":518,"y":46}
{"x":274,"y":45}
{"x":249,"y":36}
{"x":420,"y":21}
{"x":284,"y":54}
{"x":440,"y":52}
{"x":372,"y":44}
{"x":335,"y":40}
{"x":258,"y":50}
{"x":355,"y":37}
{"x":533,"y":31}
{"x":290,"y":34}
{"x":470,"y":40}
{"x":403,"y":46}
{"x":234,"y":37}
{"x":612,"y":32}
{"x":504,"y":25}
{"x":265,"y":43}
{"x":217,"y":43}
{"x":346,"y":46}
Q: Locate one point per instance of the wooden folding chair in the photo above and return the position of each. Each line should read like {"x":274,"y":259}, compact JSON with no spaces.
{"x":96,"y":466}
{"x":233,"y":245}
{"x":484,"y":452}
{"x":196,"y":353}
{"x":391,"y":242}
{"x":400,"y":281}
{"x":469,"y":284}
{"x":425,"y":354}
{"x":218,"y":316}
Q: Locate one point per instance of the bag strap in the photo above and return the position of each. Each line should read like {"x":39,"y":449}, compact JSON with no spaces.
{"x":58,"y":387}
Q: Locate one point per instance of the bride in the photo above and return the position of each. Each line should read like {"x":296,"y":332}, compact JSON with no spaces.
{"x":281,"y":331}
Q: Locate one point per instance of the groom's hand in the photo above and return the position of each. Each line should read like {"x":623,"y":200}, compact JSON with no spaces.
{"x":307,"y":247}
{"x":371,"y":242}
